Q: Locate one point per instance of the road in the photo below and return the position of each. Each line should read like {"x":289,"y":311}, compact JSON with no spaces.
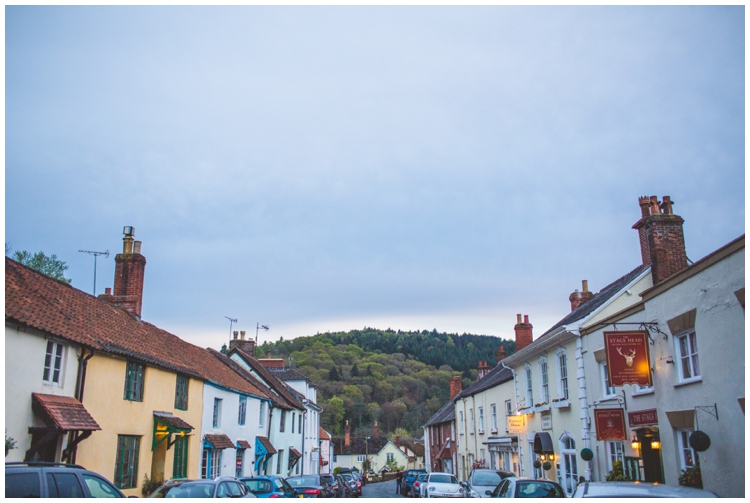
{"x":380,"y":490}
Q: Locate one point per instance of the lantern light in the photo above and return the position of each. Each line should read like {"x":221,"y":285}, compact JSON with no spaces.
{"x":544,"y":457}
{"x":635,"y":444}
{"x":655,"y":444}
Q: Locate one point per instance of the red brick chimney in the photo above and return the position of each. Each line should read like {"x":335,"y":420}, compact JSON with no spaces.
{"x":398,"y":441}
{"x":246,"y":345}
{"x":376,"y":432}
{"x":661,"y":237}
{"x":500,"y":354}
{"x":524,"y":335}
{"x":482,"y":370}
{"x":455,"y":386}
{"x":130,"y":267}
{"x":347,"y":439}
{"x":577,"y":298}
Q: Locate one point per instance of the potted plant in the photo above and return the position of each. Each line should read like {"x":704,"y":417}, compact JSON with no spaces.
{"x":541,"y":407}
{"x":10,"y":443}
{"x":560,"y":403}
{"x":691,"y":477}
{"x":616,"y":474}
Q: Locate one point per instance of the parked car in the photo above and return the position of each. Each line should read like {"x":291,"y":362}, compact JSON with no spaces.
{"x":409,"y":478}
{"x":336,"y":487}
{"x":354,"y":484}
{"x":637,"y":490}
{"x":515,"y":487}
{"x":346,"y":489}
{"x":415,"y":487}
{"x":442,"y":485}
{"x":483,"y":481}
{"x":311,"y":486}
{"x":269,"y":486}
{"x":37,"y":479}
{"x":220,"y":487}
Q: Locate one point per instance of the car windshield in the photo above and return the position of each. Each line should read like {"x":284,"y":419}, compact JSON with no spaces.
{"x":537,"y":489}
{"x":302,"y":481}
{"x":486,"y":479}
{"x":259,"y":485}
{"x":443,"y":479}
{"x":198,"y":490}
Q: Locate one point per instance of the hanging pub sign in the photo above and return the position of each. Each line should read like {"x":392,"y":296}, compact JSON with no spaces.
{"x":610,"y":424}
{"x":628,"y":360}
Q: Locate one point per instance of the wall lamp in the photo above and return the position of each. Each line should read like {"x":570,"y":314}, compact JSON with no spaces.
{"x":635,"y":444}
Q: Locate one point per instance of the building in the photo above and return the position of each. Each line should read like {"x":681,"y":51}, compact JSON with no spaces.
{"x":352,"y":452}
{"x":440,"y":435}
{"x":326,"y":450}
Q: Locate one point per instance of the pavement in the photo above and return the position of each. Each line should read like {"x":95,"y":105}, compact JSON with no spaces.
{"x":380,"y":490}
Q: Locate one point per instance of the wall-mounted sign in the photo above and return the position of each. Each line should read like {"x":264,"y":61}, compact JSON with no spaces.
{"x":516,"y":424}
{"x":628,"y":360}
{"x":610,"y":424}
{"x":546,"y":420}
{"x":643,"y":418}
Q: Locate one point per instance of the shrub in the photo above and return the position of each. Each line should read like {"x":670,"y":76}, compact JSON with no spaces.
{"x":151,"y":484}
{"x":616,"y":474}
{"x":692,"y":477}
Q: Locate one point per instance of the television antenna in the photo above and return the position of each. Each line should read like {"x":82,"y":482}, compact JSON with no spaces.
{"x":231,"y":320}
{"x":95,"y":254}
{"x":258,"y":326}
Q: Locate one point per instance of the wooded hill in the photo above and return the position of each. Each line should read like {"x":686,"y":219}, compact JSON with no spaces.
{"x":370,"y":374}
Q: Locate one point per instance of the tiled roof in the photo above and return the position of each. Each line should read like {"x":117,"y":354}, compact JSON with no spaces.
{"x":66,"y":412}
{"x":267,"y":444}
{"x":275,"y":384}
{"x":220,"y":441}
{"x":287,"y":374}
{"x":357,"y":445}
{"x":497,"y":375}
{"x":172,"y":420}
{"x":294,"y":452}
{"x":323,"y":434}
{"x":244,"y":444}
{"x":245,"y":374}
{"x":446,"y":413}
{"x":414,"y":445}
{"x":219,"y":369}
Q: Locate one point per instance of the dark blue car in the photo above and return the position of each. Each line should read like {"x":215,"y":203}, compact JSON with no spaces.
{"x":409,"y":478}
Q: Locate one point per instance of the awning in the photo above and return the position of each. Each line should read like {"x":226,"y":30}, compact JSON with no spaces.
{"x":219,"y":441}
{"x":65,"y":412}
{"x":543,"y":443}
{"x":263,"y":450}
{"x":502,"y":443}
{"x":166,"y":425}
{"x":243,"y":444}
{"x":679,"y":419}
{"x":294,"y":452}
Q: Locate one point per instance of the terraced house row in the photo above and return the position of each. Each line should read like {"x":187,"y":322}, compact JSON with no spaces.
{"x":673,"y":332}
{"x":88,"y":381}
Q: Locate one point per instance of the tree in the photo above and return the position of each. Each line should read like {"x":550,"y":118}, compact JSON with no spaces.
{"x":50,"y":266}
{"x":333,"y":374}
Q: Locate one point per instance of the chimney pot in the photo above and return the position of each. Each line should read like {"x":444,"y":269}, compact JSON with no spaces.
{"x":577,"y":298}
{"x":376,"y":431}
{"x":347,"y":438}
{"x":235,"y":334}
{"x":137,"y":247}
{"x":524,"y":333}
{"x":525,"y":318}
{"x":518,"y":318}
{"x":242,"y":334}
{"x":107,"y":291}
{"x":661,"y":237}
{"x":455,"y":386}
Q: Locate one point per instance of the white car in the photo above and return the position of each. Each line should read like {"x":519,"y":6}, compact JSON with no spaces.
{"x":637,"y":490}
{"x":442,"y":485}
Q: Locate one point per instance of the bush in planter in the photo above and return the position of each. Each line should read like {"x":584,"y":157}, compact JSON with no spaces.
{"x":151,"y":484}
{"x":10,"y":443}
{"x":617,"y":473}
{"x":692,"y":477}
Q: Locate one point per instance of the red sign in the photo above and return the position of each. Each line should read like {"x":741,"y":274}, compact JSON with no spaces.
{"x":628,"y":360}
{"x":643,"y":418}
{"x":610,"y":424}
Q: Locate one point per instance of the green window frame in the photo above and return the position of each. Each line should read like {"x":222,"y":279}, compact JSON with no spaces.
{"x":180,"y":458}
{"x":134,"y":382}
{"x":181,"y":392}
{"x":126,"y":463}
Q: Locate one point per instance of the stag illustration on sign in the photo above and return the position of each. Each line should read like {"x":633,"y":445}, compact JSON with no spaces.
{"x":629,"y":358}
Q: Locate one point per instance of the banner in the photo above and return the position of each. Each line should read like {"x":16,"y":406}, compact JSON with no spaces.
{"x":643,"y":418}
{"x":628,"y":360}
{"x":610,"y":424}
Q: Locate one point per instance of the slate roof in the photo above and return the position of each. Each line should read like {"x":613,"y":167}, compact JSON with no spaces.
{"x":446,"y":413}
{"x":220,"y":441}
{"x":66,"y":412}
{"x":357,"y":445}
{"x":267,"y":376}
{"x":497,"y":375}
{"x":284,"y":374}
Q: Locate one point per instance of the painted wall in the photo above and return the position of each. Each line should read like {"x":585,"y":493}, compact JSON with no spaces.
{"x":105,"y":384}
{"x":312,"y":424}
{"x":24,"y":370}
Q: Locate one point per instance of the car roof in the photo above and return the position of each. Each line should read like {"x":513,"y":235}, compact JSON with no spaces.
{"x":641,"y":489}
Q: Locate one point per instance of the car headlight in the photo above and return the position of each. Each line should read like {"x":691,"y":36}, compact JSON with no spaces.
{"x":474,"y":494}
{"x":432,"y":488}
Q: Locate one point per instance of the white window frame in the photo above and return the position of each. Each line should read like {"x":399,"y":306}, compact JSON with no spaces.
{"x":242,"y":412}
{"x":54,"y":363}
{"x":607,"y":390}
{"x":568,"y":463}
{"x":389,"y":456}
{"x":481,"y":419}
{"x":471,"y":421}
{"x":529,"y":386}
{"x":461,"y":421}
{"x":262,"y":422}
{"x":508,"y":408}
{"x":360,"y":458}
{"x":544,"y":380}
{"x":561,"y":358}
{"x":691,"y":359}
{"x":494,"y":417}
{"x":615,"y":452}
{"x":683,"y":448}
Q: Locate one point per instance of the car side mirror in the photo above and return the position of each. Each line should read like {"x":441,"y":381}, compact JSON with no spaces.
{"x":488,"y":492}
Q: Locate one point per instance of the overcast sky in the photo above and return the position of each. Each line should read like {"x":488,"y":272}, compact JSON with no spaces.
{"x":330,"y":168}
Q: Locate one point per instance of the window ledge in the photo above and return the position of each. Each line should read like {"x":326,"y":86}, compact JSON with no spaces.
{"x":644,"y":393}
{"x":493,"y":431}
{"x":481,"y":432}
{"x":689,"y":381}
{"x":471,"y":433}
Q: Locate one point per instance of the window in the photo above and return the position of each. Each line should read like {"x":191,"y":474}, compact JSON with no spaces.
{"x":217,"y":412}
{"x":134,"y":382}
{"x":126,"y":462}
{"x":461,"y":421}
{"x":484,"y":459}
{"x":179,"y":470}
{"x":262,"y":414}
{"x":294,"y":417}
{"x":562,"y":374}
{"x":529,"y":388}
{"x":481,"y":418}
{"x":243,"y":411}
{"x":544,"y":380}
{"x":211,"y":466}
{"x":360,"y":457}
{"x":240,"y":462}
{"x":181,"y":393}
{"x":569,"y":464}
{"x":300,"y":423}
{"x":282,"y":420}
{"x":471,"y":421}
{"x":607,"y":390}
{"x":64,"y":485}
{"x":389,"y":456}
{"x":687,"y":454}
{"x":98,"y":487}
{"x":687,"y":349}
{"x":494,"y":417}
{"x":53,"y":363}
{"x":278,"y":461}
{"x":508,"y":408}
{"x":616,"y":452}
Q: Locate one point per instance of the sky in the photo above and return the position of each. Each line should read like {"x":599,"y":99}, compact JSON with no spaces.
{"x":320,"y":169}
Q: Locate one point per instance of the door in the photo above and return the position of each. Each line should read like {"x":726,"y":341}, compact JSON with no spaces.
{"x":652,"y":470}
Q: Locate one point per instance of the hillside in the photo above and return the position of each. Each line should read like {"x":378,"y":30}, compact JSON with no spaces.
{"x":370,"y":374}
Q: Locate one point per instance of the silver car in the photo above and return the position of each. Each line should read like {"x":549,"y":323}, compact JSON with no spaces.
{"x":483,"y":481}
{"x":637,"y":490}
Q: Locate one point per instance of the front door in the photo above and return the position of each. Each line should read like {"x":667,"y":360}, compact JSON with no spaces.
{"x":652,"y":470}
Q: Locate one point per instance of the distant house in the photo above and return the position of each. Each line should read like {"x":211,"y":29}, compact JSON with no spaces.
{"x":326,"y":451}
{"x":414,"y":450}
{"x":351,"y":452}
